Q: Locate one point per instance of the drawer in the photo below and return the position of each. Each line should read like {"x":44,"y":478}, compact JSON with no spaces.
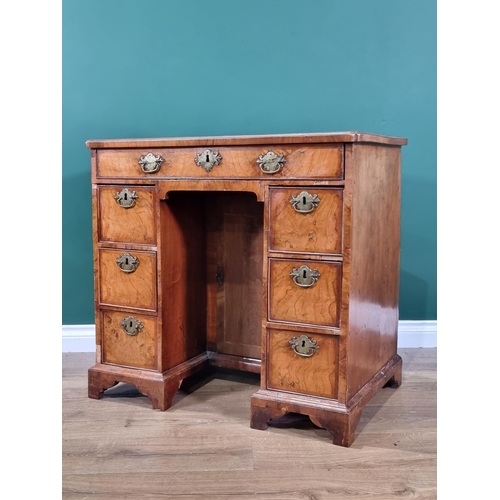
{"x":305,"y":219}
{"x":314,"y":304}
{"x":127,"y":278}
{"x":308,"y":161}
{"x":303,"y":363}
{"x":126,"y":214}
{"x":129,"y":340}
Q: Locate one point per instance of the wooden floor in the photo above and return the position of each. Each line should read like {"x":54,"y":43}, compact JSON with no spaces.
{"x":118,"y":448}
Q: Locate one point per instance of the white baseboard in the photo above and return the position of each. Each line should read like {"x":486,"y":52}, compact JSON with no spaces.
{"x":417,"y":334}
{"x":78,"y":338}
{"x":81,"y":338}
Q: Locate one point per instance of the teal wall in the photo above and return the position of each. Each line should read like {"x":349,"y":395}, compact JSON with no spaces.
{"x":158,"y":68}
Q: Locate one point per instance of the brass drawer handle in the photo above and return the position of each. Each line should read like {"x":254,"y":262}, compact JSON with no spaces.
{"x":304,"y":202}
{"x":304,"y":276}
{"x":131,"y":325}
{"x":270,"y":163}
{"x":127,"y":263}
{"x":150,"y":163}
{"x":304,"y":346}
{"x":126,"y":198}
{"x":208,"y":159}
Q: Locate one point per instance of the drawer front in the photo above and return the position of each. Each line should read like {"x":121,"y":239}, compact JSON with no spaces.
{"x":125,"y":221}
{"x":127,"y":278}
{"x":305,"y":220}
{"x":308,"y":161}
{"x":318,"y":304}
{"x":313,"y":372}
{"x":135,"y":348}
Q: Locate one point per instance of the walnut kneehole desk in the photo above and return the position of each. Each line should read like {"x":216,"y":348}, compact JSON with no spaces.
{"x":275,"y":254}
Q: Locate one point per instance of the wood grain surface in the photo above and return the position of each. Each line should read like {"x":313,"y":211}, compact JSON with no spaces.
{"x":186,"y":217}
{"x":374,"y":256}
{"x":136,"y":289}
{"x":319,"y":231}
{"x":240,"y":254}
{"x":315,"y":375}
{"x":127,"y":225}
{"x":120,"y":348}
{"x":316,"y":305}
{"x":316,"y":138}
{"x":203,"y":448}
{"x":182,"y":279}
{"x":316,"y":161}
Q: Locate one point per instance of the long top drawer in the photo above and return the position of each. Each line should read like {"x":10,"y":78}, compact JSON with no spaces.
{"x":261,"y":162}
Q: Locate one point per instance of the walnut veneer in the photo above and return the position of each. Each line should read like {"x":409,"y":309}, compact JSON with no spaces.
{"x":276,"y":254}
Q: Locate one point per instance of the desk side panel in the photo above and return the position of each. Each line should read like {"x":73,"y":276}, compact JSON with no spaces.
{"x":182,"y":252}
{"x":374,"y":262}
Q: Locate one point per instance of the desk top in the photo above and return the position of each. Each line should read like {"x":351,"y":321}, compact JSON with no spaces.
{"x":241,"y":140}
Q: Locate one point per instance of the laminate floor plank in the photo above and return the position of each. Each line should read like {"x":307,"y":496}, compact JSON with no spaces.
{"x":119,"y":448}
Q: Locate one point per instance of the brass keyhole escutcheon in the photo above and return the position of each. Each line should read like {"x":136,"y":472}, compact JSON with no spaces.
{"x":208,"y":159}
{"x":150,"y":163}
{"x":127,"y":263}
{"x":131,"y":325}
{"x":304,"y":346}
{"x":304,"y":276}
{"x":305,"y":202}
{"x":126,"y":198}
{"x":270,"y":163}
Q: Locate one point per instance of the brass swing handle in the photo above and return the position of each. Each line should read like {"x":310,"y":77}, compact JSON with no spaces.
{"x":304,"y":346}
{"x":270,"y":163}
{"x":150,"y":163}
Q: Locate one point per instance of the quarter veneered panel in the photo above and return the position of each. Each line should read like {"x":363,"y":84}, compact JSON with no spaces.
{"x":127,"y":225}
{"x":318,"y":304}
{"x":136,"y":289}
{"x":120,"y":348}
{"x":319,"y":231}
{"x":288,"y":371}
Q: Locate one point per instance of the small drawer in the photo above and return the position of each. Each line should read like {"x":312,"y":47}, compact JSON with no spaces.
{"x":305,"y":291}
{"x":127,"y":278}
{"x":305,"y":220}
{"x":303,"y":363}
{"x":126,"y":214}
{"x":129,"y":340}
{"x":290,"y":161}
